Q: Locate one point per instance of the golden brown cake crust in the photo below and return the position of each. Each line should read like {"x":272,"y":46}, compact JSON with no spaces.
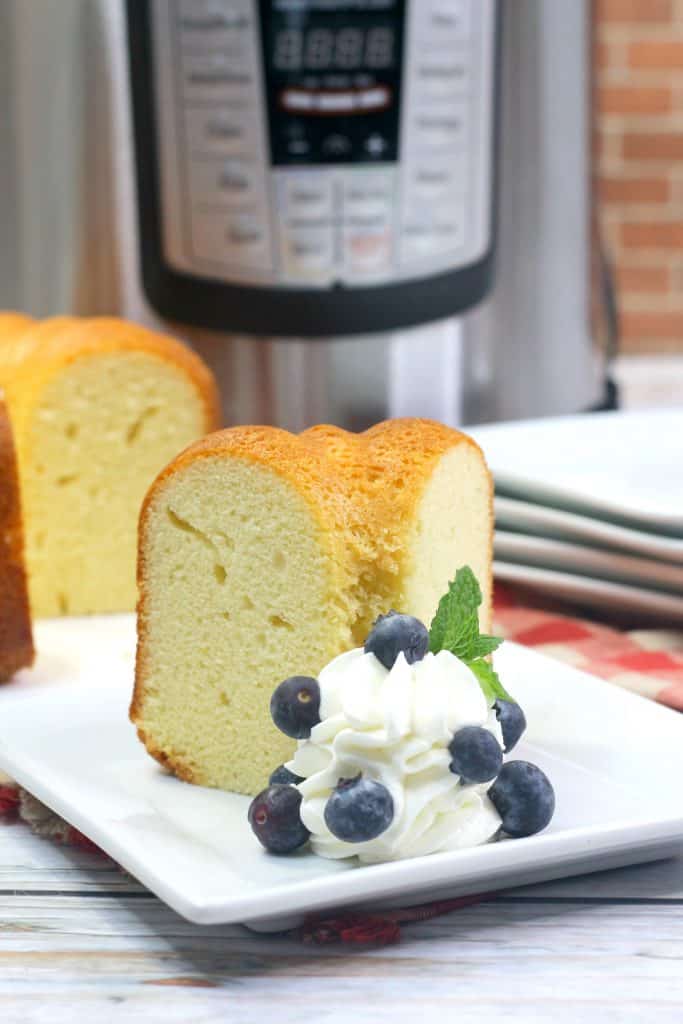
{"x":34,"y":353}
{"x":381,"y":467}
{"x":109,"y":334}
{"x":316,"y":458}
{"x":25,"y":339}
{"x":12,"y":325}
{"x":357,"y":485}
{"x":16,"y":641}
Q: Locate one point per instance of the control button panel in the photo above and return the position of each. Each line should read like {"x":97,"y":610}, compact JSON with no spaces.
{"x":450,"y":19}
{"x":223,"y":183}
{"x":307,"y":196}
{"x":368,"y":204}
{"x":369,"y":194}
{"x":447,"y":129}
{"x":214,"y":155}
{"x":232,"y":238}
{"x":285,"y":162}
{"x":306,"y":252}
{"x":219,"y":133}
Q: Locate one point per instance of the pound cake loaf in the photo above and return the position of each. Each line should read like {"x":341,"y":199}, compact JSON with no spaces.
{"x":16,"y":641}
{"x":263,"y":554}
{"x":98,"y":407}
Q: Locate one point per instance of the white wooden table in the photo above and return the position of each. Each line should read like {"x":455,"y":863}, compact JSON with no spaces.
{"x":81,"y":942}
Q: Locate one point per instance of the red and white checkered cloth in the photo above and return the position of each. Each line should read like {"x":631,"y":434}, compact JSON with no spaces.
{"x":648,"y":662}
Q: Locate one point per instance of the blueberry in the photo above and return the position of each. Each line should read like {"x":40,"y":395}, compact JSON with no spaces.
{"x":393,"y":633}
{"x":476,"y":754}
{"x":524,"y":798}
{"x":283,"y":777}
{"x":512,"y":722}
{"x":359,"y":809}
{"x":275,"y":821}
{"x":295,"y":706}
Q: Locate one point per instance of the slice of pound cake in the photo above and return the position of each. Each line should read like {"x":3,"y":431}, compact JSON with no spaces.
{"x":98,"y":407}
{"x":263,"y":554}
{"x":16,"y":643}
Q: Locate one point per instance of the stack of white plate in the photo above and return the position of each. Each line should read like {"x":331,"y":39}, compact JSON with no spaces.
{"x":590,"y":508}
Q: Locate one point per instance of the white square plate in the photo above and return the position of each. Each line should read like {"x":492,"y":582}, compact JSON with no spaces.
{"x":649,"y":607}
{"x":623,"y":466}
{"x":540,"y":520}
{"x":615,"y":759}
{"x":585,"y":560}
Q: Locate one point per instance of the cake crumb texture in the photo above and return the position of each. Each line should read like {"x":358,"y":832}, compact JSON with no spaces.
{"x":264,"y":554}
{"x":97,"y":407}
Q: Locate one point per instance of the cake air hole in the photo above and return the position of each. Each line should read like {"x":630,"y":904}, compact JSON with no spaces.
{"x":219,"y":570}
{"x":62,"y":604}
{"x":247,"y":603}
{"x":134,"y":429}
{"x":279,"y":623}
{"x":66,"y":479}
{"x":224,"y":699}
{"x":71,"y":431}
{"x":279,"y":560}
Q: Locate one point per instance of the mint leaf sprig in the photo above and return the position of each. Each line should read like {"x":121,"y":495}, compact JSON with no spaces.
{"x":455,"y":628}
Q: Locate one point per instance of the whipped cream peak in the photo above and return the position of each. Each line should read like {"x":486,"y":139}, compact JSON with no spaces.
{"x":394,"y":726}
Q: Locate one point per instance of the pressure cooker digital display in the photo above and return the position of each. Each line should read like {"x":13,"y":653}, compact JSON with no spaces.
{"x":333,"y":48}
{"x":325,"y":49}
{"x":333,"y":74}
{"x":325,"y":163}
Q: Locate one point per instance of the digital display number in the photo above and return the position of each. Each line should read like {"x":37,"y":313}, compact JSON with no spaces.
{"x":326,"y":49}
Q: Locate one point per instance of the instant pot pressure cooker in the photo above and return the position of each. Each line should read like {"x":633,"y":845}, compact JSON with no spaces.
{"x":314,"y":167}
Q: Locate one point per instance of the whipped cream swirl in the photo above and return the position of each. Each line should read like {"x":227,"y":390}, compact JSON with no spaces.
{"x":394,"y":726}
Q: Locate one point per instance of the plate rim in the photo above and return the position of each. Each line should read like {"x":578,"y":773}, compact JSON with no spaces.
{"x":315,"y":895}
{"x":527,"y":487}
{"x":538,"y":552}
{"x":556,"y":854}
{"x":584,"y":588}
{"x":527,"y":515}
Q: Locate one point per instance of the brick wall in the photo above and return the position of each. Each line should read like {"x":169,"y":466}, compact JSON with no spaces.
{"x":639,"y":164}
